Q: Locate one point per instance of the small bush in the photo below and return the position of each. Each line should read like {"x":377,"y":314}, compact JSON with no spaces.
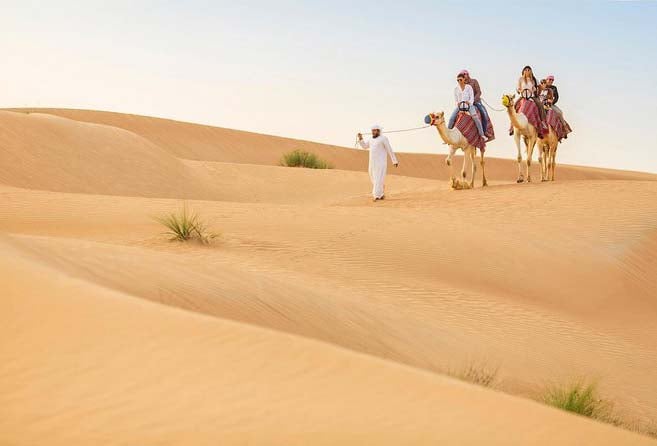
{"x":578,"y":397}
{"x":184,"y":225}
{"x":300,"y":158}
{"x":476,"y":374}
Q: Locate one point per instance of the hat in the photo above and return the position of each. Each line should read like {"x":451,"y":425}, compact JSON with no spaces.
{"x":377,"y":127}
{"x":550,"y":77}
{"x":464,"y":72}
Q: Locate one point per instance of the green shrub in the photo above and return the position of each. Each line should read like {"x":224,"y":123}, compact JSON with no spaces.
{"x":578,"y":397}
{"x":184,"y":225}
{"x":300,"y":158}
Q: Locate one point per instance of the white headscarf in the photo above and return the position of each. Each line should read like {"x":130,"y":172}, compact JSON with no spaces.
{"x":377,"y":127}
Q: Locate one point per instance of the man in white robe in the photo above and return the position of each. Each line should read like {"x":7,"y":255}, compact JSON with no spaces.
{"x":379,"y":150}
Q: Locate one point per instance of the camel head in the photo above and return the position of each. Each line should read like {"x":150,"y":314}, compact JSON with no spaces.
{"x":508,"y":100}
{"x":437,"y":118}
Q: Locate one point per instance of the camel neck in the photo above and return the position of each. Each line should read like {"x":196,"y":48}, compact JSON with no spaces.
{"x":442,"y":131}
{"x":513,"y":116}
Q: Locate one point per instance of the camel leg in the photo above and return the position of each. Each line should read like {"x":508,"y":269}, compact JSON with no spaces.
{"x":553,"y":162}
{"x":541,"y":158}
{"x":473,"y":160}
{"x":531,"y":143}
{"x":516,"y":138}
{"x":545,"y":161}
{"x":465,"y":160}
{"x":483,"y":170}
{"x":449,"y":162}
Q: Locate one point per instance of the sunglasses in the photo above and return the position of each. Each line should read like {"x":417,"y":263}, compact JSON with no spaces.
{"x":460,"y":79}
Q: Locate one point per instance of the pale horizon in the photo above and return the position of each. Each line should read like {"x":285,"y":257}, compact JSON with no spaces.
{"x":307,"y":72}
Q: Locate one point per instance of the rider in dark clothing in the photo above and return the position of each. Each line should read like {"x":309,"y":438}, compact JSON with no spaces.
{"x":555,"y":92}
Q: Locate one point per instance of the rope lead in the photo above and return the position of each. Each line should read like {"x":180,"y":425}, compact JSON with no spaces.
{"x":491,"y":107}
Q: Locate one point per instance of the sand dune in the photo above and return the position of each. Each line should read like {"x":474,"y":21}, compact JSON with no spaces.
{"x":116,"y":370}
{"x":318,"y":317}
{"x":204,"y":143}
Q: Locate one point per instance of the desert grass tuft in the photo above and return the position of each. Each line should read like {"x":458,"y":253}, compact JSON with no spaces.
{"x":184,"y":225}
{"x":579,"y":397}
{"x":478,"y":374}
{"x":300,"y":158}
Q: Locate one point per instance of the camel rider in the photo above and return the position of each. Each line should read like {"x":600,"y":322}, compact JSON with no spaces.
{"x":555,"y":95}
{"x":545,"y":94}
{"x":527,"y":85}
{"x":528,"y":89}
{"x":477,"y":98}
{"x":550,"y":83}
{"x":464,"y":97}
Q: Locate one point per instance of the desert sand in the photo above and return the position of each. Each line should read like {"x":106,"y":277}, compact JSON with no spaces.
{"x":317,"y":316}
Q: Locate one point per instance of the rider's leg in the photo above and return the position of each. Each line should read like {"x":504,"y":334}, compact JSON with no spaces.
{"x":477,"y":121}
{"x":541,"y":109}
{"x":452,"y":119}
{"x":484,"y":115}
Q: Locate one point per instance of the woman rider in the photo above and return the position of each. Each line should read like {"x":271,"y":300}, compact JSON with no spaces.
{"x":528,"y":86}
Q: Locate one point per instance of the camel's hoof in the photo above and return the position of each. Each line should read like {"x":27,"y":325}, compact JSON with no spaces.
{"x":485,"y":184}
{"x":448,"y":162}
{"x":520,"y":180}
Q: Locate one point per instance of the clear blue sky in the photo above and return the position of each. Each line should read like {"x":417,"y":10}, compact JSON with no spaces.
{"x":324,"y":70}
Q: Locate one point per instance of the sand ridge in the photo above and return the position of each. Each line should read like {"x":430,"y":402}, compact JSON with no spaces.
{"x":314,"y":302}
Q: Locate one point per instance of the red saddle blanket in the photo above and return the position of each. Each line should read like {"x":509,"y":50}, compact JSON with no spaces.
{"x":553,"y":121}
{"x":529,"y":108}
{"x":468,"y":129}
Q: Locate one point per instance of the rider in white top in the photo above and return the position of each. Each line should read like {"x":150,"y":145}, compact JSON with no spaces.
{"x":464,"y":93}
{"x":526,"y":84}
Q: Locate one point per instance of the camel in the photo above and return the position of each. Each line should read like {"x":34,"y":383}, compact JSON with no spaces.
{"x":524,"y":129}
{"x":455,"y":139}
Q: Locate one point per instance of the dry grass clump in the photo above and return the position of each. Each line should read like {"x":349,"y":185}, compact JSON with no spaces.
{"x":300,"y":158}
{"x":478,"y":374}
{"x":184,"y":225}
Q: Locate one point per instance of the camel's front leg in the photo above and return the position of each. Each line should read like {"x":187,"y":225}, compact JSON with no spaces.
{"x":448,"y":160}
{"x":540,"y":157}
{"x":473,"y":160}
{"x":530,"y":143}
{"x":544,"y":160}
{"x":516,"y":138}
{"x":483,"y":170}
{"x":450,"y":163}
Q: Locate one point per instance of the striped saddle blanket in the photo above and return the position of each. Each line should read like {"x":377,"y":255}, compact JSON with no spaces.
{"x":468,"y":129}
{"x":529,"y":108}
{"x":553,"y":121}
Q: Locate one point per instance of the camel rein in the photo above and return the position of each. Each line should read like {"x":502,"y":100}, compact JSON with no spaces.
{"x":399,"y":131}
{"x":429,"y":125}
{"x":491,"y":107}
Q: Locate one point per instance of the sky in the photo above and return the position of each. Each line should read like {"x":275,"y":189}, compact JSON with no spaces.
{"x":323,"y":71}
